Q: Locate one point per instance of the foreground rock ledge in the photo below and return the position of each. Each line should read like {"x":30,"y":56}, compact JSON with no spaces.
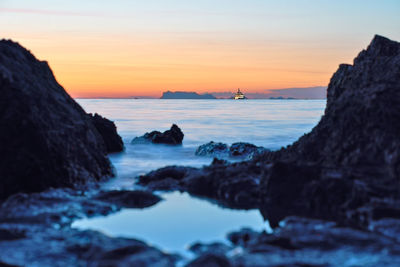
{"x":346,"y":169}
{"x":46,"y":138}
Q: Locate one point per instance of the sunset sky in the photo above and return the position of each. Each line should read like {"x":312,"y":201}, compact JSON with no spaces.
{"x":121,"y":48}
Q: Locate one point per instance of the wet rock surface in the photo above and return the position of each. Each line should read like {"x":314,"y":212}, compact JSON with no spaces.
{"x":46,"y":136}
{"x":245,"y":149}
{"x":236,"y":150}
{"x":233,"y":185}
{"x":108,"y":131}
{"x":305,"y":242}
{"x":69,"y":247}
{"x":173,"y":136}
{"x":129,"y":199}
{"x":212,"y":149}
{"x":211,"y":259}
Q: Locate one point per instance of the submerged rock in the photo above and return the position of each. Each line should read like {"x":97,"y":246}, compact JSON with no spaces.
{"x":46,"y":138}
{"x":216,"y":247}
{"x":129,"y":199}
{"x":211,"y":260}
{"x":212,"y":149}
{"x":173,"y":136}
{"x":221,"y":150}
{"x":242,"y":149}
{"x":108,"y":131}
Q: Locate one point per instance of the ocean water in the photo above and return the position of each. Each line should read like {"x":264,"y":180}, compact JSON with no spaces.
{"x":180,"y":220}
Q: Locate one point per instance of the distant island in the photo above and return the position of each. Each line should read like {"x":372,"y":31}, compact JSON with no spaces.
{"x":185,"y":95}
{"x":280,"y":97}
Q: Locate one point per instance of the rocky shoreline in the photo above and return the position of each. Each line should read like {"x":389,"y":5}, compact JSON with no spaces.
{"x":332,"y":197}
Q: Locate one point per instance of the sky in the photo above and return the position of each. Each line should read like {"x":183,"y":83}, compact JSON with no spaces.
{"x":121,"y":48}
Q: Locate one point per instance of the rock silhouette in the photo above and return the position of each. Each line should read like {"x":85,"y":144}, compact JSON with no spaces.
{"x":46,"y":138}
{"x":108,"y":131}
{"x":173,"y":136}
{"x":351,"y":159}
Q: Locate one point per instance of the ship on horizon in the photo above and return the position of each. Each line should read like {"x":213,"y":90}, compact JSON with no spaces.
{"x":239,"y":95}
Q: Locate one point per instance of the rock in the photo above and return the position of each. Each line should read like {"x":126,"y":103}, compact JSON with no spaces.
{"x":108,"y":131}
{"x":235,"y":186}
{"x":242,"y":237}
{"x":236,"y":150}
{"x":362,"y":120}
{"x":10,"y":234}
{"x":308,"y":242}
{"x":173,"y":136}
{"x":216,"y":248}
{"x":352,"y":155}
{"x":210,"y":260}
{"x":46,"y":138}
{"x":167,"y":179}
{"x":283,"y":188}
{"x":212,"y":149}
{"x":3,"y":264}
{"x":129,"y":199}
{"x":69,"y":247}
{"x":245,"y":150}
{"x":132,"y":255}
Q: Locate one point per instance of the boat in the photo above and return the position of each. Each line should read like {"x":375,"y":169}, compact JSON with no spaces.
{"x":239,"y":95}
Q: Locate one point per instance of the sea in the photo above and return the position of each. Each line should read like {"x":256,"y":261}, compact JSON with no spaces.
{"x":181,"y":220}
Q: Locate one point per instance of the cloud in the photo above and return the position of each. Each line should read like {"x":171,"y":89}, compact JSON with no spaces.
{"x":48,"y":12}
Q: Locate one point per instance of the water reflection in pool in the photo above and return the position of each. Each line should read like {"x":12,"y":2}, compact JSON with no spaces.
{"x":175,"y":223}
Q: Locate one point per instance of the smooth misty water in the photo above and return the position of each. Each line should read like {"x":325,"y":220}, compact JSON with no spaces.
{"x":180,"y":220}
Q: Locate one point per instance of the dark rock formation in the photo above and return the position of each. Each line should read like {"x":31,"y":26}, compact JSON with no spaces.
{"x":211,"y":260}
{"x":212,"y":148}
{"x":216,"y":247}
{"x":129,"y":199}
{"x":173,"y":136}
{"x":352,"y":156}
{"x":245,"y":149}
{"x":108,"y":131}
{"x":361,"y":122}
{"x":233,"y":185}
{"x":70,"y":247}
{"x":306,"y":242}
{"x":221,"y":150}
{"x":46,"y":138}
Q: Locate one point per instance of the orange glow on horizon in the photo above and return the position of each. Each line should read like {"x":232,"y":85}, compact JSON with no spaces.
{"x":89,"y":67}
